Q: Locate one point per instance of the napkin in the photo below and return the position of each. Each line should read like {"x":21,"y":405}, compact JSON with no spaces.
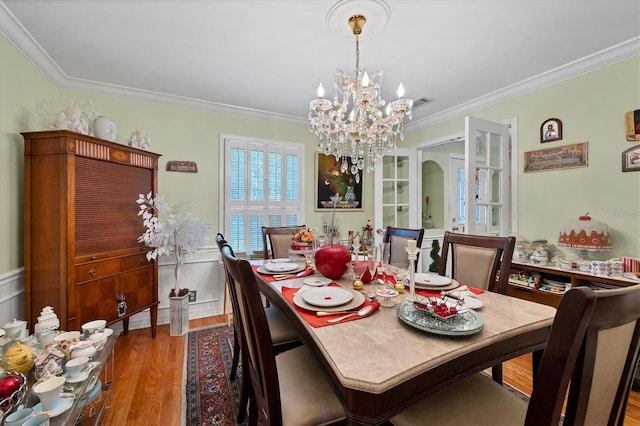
{"x":315,"y":321}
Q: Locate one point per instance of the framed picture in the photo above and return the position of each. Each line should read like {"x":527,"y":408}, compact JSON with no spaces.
{"x":559,"y":157}
{"x":551,"y":130}
{"x":632,"y":125}
{"x":330,"y":180}
{"x":631,"y":159}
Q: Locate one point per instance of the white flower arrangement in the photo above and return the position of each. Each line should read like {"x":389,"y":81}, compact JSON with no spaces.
{"x":170,"y":230}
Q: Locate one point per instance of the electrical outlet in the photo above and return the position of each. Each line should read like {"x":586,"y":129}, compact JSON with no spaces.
{"x":192,"y":295}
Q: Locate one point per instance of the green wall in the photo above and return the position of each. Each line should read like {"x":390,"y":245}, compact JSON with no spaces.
{"x":29,"y":101}
{"x":591,"y":108}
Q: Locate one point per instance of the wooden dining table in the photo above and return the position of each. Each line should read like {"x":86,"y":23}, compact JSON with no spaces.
{"x":379,"y":365}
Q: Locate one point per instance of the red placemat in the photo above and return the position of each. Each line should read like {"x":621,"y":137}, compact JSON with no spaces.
{"x":316,"y":321}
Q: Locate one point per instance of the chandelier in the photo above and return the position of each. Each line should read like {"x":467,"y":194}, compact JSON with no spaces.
{"x":354,"y":125}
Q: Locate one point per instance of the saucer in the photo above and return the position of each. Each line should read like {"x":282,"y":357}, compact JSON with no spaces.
{"x":85,"y":373}
{"x":64,"y":403}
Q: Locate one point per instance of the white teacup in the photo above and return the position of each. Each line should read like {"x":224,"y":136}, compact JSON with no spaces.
{"x":91,"y":327}
{"x":75,"y":366}
{"x":49,"y":392}
{"x":19,"y":417}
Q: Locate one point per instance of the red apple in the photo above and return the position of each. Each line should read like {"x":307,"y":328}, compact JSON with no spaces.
{"x":331,"y":260}
{"x":9,"y":384}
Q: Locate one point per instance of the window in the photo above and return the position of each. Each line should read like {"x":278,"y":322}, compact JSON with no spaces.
{"x":263,"y":187}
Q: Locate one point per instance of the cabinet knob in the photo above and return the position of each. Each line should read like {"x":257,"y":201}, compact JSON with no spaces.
{"x":92,"y":272}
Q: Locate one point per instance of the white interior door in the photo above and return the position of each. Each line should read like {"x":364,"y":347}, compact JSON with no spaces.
{"x":487,"y":170}
{"x":395,"y":182}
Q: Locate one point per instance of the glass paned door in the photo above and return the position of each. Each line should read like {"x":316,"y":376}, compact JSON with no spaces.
{"x":487,"y":191}
{"x":395,"y":178}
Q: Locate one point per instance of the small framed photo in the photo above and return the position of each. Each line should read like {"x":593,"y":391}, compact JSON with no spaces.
{"x":551,"y":130}
{"x":631,"y":159}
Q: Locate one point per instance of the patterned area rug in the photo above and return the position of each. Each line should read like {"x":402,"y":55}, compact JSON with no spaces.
{"x":211,"y":398}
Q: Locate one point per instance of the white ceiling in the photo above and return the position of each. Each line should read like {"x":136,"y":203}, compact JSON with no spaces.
{"x":251,"y":57}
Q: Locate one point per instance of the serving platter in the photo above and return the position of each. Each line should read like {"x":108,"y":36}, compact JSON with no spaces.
{"x":299,"y":267}
{"x":463,"y":324}
{"x":356,"y":302}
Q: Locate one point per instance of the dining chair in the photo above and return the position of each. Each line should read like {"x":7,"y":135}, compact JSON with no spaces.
{"x":591,"y":351}
{"x":276,"y":240}
{"x":288,"y":389}
{"x":481,"y":261}
{"x":476,"y":261}
{"x":397,"y":239}
{"x":283,"y":334}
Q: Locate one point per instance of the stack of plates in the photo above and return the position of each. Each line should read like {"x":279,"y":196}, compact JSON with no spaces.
{"x":328,"y":299}
{"x":434,"y":282}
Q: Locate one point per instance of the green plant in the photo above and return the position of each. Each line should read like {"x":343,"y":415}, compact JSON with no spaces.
{"x":435,"y":255}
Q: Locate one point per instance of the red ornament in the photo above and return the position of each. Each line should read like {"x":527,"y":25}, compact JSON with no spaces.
{"x":331,"y":260}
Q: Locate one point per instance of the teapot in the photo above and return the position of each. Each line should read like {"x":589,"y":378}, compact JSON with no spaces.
{"x":16,"y":329}
{"x":82,"y":348}
{"x":18,"y":359}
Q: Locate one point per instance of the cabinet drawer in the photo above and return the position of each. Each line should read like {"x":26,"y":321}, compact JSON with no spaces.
{"x":96,"y":270}
{"x":133,"y":262}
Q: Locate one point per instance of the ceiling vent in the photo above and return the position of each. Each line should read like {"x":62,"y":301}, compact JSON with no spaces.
{"x":420,"y":102}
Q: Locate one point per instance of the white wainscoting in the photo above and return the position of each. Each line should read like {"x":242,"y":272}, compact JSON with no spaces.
{"x":11,"y":296}
{"x":203,"y":273}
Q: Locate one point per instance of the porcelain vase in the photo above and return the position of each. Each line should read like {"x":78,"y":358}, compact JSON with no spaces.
{"x":105,"y":128}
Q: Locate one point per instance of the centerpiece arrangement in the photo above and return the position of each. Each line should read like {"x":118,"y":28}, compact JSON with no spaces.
{"x":332,"y":259}
{"x":171,"y":230}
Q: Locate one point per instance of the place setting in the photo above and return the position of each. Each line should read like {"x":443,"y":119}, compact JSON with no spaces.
{"x":281,"y":269}
{"x":329,"y":303}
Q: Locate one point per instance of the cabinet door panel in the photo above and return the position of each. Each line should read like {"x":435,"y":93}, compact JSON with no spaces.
{"x":137,"y":287}
{"x":96,"y":300}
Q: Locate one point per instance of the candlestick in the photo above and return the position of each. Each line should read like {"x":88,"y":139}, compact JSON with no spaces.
{"x":413,"y":256}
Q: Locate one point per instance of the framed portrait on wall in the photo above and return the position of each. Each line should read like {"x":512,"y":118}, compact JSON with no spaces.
{"x":551,"y":130}
{"x":631,"y":159}
{"x":331,"y":180}
{"x":632,"y":125}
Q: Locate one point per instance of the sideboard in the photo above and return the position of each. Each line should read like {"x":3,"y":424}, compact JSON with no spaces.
{"x":536,"y":290}
{"x":81,"y":225}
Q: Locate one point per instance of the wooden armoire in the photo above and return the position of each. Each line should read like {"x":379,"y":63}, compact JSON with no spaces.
{"x":81,"y":226}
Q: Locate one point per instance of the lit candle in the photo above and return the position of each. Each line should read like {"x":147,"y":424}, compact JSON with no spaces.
{"x":320,"y":91}
{"x":411,"y":245}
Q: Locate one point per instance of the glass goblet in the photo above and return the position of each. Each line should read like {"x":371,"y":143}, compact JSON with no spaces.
{"x":358,"y":269}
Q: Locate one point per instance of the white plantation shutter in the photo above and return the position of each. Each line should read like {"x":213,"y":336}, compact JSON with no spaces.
{"x":263,"y":187}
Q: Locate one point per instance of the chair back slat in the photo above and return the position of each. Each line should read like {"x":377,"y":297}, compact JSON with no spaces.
{"x":276,"y":240}
{"x":482,"y":261}
{"x":592,"y":351}
{"x":258,"y":360}
{"x":397,"y":239}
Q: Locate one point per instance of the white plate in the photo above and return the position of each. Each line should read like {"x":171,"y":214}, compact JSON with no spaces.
{"x":327,"y":296}
{"x":432,"y":280}
{"x":280,"y":260}
{"x":298,"y":268}
{"x":470,"y":301}
{"x":449,"y":286}
{"x":317,"y":281}
{"x":280,"y":267}
{"x":356,"y":302}
{"x":64,"y":403}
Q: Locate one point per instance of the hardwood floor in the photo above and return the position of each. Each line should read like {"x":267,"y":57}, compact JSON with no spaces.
{"x":148,"y":387}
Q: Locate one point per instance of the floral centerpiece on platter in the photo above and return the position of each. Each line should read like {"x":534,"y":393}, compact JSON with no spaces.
{"x":171,"y":230}
{"x":302,"y":239}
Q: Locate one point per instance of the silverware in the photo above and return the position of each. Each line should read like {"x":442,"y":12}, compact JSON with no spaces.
{"x":326,"y":314}
{"x":290,"y":276}
{"x":361,"y":313}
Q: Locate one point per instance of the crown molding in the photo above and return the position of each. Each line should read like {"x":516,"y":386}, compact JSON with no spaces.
{"x":611,"y":55}
{"x":22,"y":40}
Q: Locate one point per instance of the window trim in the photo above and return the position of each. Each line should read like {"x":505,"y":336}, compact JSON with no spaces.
{"x":281,"y":146}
